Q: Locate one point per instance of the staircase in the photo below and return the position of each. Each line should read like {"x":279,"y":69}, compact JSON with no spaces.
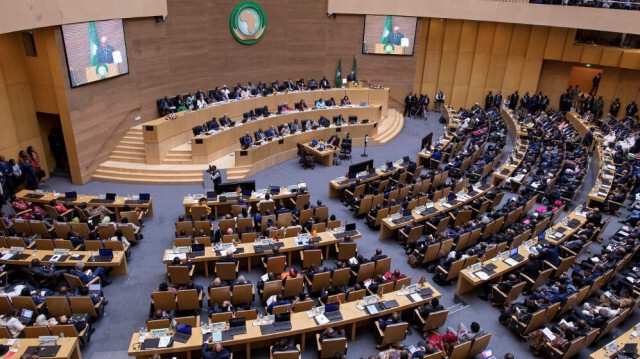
{"x":139,"y":173}
{"x":130,"y":148}
{"x":388,"y":128}
{"x":179,"y":155}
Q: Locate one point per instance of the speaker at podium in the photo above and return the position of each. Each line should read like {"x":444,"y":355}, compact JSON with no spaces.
{"x":102,"y":71}
{"x":389,"y":49}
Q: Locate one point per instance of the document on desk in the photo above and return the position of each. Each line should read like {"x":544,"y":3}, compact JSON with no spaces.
{"x":511,"y":261}
{"x":482,"y":275}
{"x":416,"y":297}
{"x":164,"y":341}
{"x":171,"y":255}
{"x":372,"y":309}
{"x":321,"y":319}
{"x":548,"y":333}
{"x":216,"y":336}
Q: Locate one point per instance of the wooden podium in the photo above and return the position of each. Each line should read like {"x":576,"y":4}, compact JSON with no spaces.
{"x":398,"y":50}
{"x":93,"y":76}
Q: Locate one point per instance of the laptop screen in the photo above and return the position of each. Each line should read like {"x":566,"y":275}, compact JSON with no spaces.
{"x":199,"y":247}
{"x":314,"y":143}
{"x":405,"y":159}
{"x":283,"y":317}
{"x":145,"y":196}
{"x":183,"y":328}
{"x":237,"y":322}
{"x":275,"y":189}
{"x":247,"y":192}
{"x":106,"y":252}
{"x":487,"y":353}
{"x":212,"y":194}
{"x":332,"y":307}
{"x":514,"y":251}
{"x":94,"y":287}
{"x":71,"y":194}
{"x":26,"y":313}
{"x":111,"y":196}
{"x":350,"y":227}
{"x":389,"y":165}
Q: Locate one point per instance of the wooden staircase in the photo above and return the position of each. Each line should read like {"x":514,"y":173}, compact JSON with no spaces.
{"x":388,"y":128}
{"x":130,"y":148}
{"x":179,"y":155}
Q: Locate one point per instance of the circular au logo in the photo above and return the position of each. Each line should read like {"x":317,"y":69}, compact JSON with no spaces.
{"x":388,"y":48}
{"x":102,"y":70}
{"x":248,"y":22}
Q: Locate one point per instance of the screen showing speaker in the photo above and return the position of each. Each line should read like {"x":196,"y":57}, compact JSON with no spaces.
{"x":389,"y":35}
{"x":95,"y":51}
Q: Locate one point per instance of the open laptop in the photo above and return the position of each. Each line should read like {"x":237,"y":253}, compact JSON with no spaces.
{"x":515,"y":255}
{"x":332,"y":311}
{"x":237,"y":326}
{"x":350,"y":227}
{"x":183,"y":333}
{"x":94,"y":288}
{"x":282,"y":322}
{"x":144,"y":197}
{"x":488,"y":354}
{"x":197,"y":250}
{"x":25,"y":316}
{"x":212,"y":195}
{"x":110,"y":197}
{"x":70,"y":196}
{"x":274,"y":189}
{"x":104,"y":255}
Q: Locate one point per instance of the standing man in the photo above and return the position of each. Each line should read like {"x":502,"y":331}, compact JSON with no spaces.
{"x":596,"y":83}
{"x":105,"y":52}
{"x":497,"y":101}
{"x":513,"y":100}
{"x":439,"y":101}
{"x":215,"y":175}
{"x":395,"y":37}
{"x":632,"y":109}
{"x":488,"y":101}
{"x":597,"y":107}
{"x":407,"y":104}
{"x":615,"y":107}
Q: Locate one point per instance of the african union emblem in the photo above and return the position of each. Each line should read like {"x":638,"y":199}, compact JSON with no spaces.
{"x":248,"y":22}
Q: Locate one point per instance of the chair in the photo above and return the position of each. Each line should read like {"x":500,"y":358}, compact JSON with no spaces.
{"x":75,"y":282}
{"x":218,"y":295}
{"x":158,"y":324}
{"x":188,"y":299}
{"x":227,"y":270}
{"x":4,"y":333}
{"x":502,"y":299}
{"x":460,"y":351}
{"x":382,"y":266}
{"x":68,"y":330}
{"x":364,"y":272}
{"x":44,"y":244}
{"x":310,"y":257}
{"x":271,"y":288}
{"x":303,"y":306}
{"x":165,"y":301}
{"x":180,"y":275}
{"x":276,"y":264}
{"x":346,"y":250}
{"x":392,"y":334}
{"x":242,"y":294}
{"x":356,"y":295}
{"x":93,"y":245}
{"x":26,"y":302}
{"x":36,"y":331}
{"x":293,"y":287}
{"x":434,"y":321}
{"x":328,"y":347}
{"x":320,"y":280}
{"x":478,"y":345}
{"x":340,"y":277}
{"x":289,"y":354}
{"x":84,"y":304}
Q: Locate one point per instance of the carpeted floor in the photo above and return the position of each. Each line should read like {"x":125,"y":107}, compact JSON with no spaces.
{"x":129,"y":296}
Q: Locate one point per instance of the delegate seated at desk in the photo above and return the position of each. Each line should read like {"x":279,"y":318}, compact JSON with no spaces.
{"x":271,"y":132}
{"x":324,"y":122}
{"x":324,"y":83}
{"x":320,"y":104}
{"x":260,"y":135}
{"x":313,"y":85}
{"x":213,"y":124}
{"x":295,"y":126}
{"x":246,"y":140}
{"x":226,"y":121}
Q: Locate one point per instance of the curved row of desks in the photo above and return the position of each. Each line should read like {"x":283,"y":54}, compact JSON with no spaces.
{"x":161,"y":135}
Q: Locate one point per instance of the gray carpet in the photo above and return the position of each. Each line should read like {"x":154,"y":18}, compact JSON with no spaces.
{"x":129,"y":296}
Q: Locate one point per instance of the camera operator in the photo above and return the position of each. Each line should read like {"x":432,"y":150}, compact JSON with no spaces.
{"x":215,"y":175}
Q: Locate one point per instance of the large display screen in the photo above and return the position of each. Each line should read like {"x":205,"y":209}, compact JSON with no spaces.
{"x":389,"y":35}
{"x":95,"y":51}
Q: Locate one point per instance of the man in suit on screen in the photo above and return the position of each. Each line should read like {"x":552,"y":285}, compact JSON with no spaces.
{"x":395,"y":37}
{"x":105,"y":52}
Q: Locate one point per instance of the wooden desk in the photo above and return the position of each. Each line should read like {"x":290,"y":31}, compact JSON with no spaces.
{"x":301,"y":327}
{"x":424,"y":156}
{"x":69,"y":347}
{"x":566,"y":231}
{"x":117,"y":204}
{"x":324,"y":157}
{"x":290,"y":247}
{"x":388,"y":227}
{"x":620,"y":341}
{"x":220,"y":208}
{"x":337,"y":185}
{"x":118,"y":264}
{"x":272,"y":151}
{"x":601,"y":188}
{"x":508,"y":168}
{"x":161,"y":135}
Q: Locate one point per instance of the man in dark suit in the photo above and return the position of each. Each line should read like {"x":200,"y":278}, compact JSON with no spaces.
{"x":351,"y":77}
{"x":497,"y":101}
{"x":632,"y":109}
{"x":378,"y":256}
{"x":313,"y":85}
{"x":324,"y":83}
{"x":488,"y":101}
{"x":259,"y":135}
{"x":596,"y":84}
{"x":395,"y":37}
{"x":213,"y":124}
{"x":407,"y":104}
{"x":105,"y":52}
{"x":246,"y":140}
{"x":226,"y":121}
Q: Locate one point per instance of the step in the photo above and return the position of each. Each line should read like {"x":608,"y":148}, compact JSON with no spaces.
{"x":151,"y":169}
{"x":169,"y":176}
{"x":146,"y":180}
{"x":136,"y":138}
{"x":132,"y":154}
{"x":133,"y":147}
{"x":126,"y":159}
{"x":176,"y":161}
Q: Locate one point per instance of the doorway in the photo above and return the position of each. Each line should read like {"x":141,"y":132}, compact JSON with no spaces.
{"x":53,"y":142}
{"x":583,"y":77}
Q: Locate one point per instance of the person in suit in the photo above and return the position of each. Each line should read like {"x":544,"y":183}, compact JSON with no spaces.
{"x":213,"y":124}
{"x":439,"y":101}
{"x":395,"y":37}
{"x":378,"y":256}
{"x":429,"y":308}
{"x":260,"y":135}
{"x":324,"y":83}
{"x":466,"y":335}
{"x":226,"y":121}
{"x":497,"y":100}
{"x":488,"y":101}
{"x":313,"y":84}
{"x":88,"y":277}
{"x":631,"y":109}
{"x":218,"y":351}
{"x":271,"y":132}
{"x":407,"y":104}
{"x":595,"y":217}
{"x":105,"y":52}
{"x":295,"y":126}
{"x":324,"y":122}
{"x":595,"y":84}
{"x":394,"y":318}
{"x":351,"y":77}
{"x":39,"y":271}
{"x":615,"y":107}
{"x":246,"y":140}
{"x":228,"y":258}
{"x":277,"y":302}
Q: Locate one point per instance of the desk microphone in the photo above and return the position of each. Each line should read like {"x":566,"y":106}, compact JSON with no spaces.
{"x":366,"y":140}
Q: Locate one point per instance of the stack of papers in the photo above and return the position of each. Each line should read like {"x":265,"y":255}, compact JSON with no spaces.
{"x":416,"y":297}
{"x":510,"y":261}
{"x":321,"y":319}
{"x":482,"y":275}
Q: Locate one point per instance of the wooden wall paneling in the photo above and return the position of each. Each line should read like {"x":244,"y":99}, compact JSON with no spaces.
{"x":591,"y":54}
{"x":515,"y":60}
{"x":628,"y":86}
{"x":630,"y":59}
{"x":450,"y":48}
{"x":422,"y":53}
{"x":608,"y":85}
{"x":611,"y":57}
{"x":554,"y":78}
{"x":39,"y":72}
{"x":533,"y":61}
{"x":481,"y":62}
{"x":433,"y":57}
{"x":571,"y":52}
{"x":499,"y":51}
{"x":555,"y":44}
{"x":465,"y":63}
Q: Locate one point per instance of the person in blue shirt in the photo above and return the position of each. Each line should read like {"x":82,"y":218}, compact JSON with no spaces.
{"x":550,"y":254}
{"x":320,"y":104}
{"x":393,"y":319}
{"x":78,"y":271}
{"x":279,"y":301}
{"x":218,"y":351}
{"x":437,"y":155}
{"x":271,"y":132}
{"x":246,"y":140}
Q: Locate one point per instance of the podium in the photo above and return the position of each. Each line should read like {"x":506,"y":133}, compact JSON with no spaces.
{"x":93,"y":76}
{"x":398,"y":50}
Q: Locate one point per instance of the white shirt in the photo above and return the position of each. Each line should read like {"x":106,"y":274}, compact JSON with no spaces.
{"x":125,"y":242}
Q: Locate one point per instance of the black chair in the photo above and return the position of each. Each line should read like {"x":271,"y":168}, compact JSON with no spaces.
{"x":345,"y":149}
{"x":306,"y":161}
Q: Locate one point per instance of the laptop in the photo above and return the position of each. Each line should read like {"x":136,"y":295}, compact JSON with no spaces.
{"x":111,"y":196}
{"x":389,"y":165}
{"x":488,"y":354}
{"x":247,"y":192}
{"x":352,"y":175}
{"x":212,"y":195}
{"x":350,"y":227}
{"x":515,"y":255}
{"x":372,"y":171}
{"x":282,"y":322}
{"x":104,"y":255}
{"x":144,"y":197}
{"x":237,"y":326}
{"x":70,"y":196}
{"x":405,"y":159}
{"x":183,"y":333}
{"x":94,"y":288}
{"x":274,"y":189}
{"x":332,"y":311}
{"x":25,"y":316}
{"x":314,"y":143}
{"x":197,"y":250}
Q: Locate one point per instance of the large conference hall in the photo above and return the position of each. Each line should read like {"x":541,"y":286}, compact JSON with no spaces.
{"x":283,"y":179}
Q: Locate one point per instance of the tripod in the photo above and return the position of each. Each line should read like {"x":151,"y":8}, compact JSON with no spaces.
{"x":366,"y":139}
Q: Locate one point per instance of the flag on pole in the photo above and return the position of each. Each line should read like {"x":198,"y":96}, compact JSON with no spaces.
{"x":93,"y":43}
{"x":355,"y":69}
{"x":339,"y":74}
{"x":386,"y":30}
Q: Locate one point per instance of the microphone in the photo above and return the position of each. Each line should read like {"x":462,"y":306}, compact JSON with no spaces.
{"x":366,"y":140}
